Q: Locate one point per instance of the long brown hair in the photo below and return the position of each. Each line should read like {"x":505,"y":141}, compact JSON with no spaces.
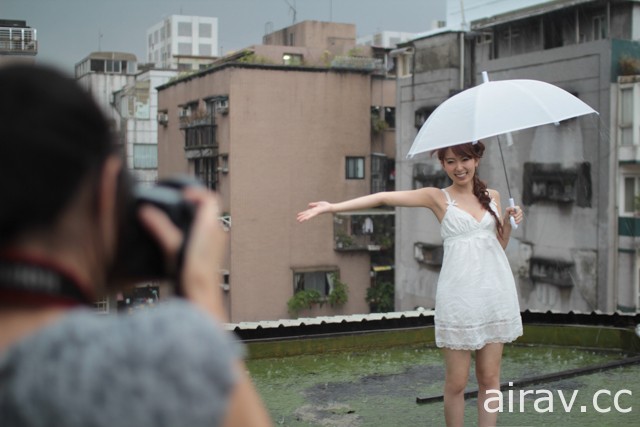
{"x":474,"y":151}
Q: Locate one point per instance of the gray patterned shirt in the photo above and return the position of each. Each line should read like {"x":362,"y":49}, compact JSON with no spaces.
{"x":169,"y":366}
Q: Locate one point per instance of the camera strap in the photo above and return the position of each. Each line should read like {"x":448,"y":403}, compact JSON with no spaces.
{"x":38,"y":283}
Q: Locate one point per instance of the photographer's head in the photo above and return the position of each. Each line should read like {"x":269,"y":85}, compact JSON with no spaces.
{"x":58,"y":171}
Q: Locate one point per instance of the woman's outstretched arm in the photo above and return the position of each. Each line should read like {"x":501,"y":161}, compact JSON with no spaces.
{"x":423,"y":197}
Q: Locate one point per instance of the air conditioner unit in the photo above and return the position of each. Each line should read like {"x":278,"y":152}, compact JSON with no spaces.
{"x":184,"y":112}
{"x":222,"y":106}
{"x":163,"y":118}
{"x":223,"y":169}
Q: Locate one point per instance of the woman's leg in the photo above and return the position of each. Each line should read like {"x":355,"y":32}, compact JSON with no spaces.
{"x":488,"y":360}
{"x":457,"y":363}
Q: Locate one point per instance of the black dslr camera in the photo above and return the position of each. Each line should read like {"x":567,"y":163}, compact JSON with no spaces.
{"x":139,"y":256}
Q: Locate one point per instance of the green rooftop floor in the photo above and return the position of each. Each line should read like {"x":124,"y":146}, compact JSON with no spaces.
{"x":374,"y":379}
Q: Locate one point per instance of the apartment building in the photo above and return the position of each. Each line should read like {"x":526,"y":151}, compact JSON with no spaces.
{"x":18,"y":41}
{"x":137,"y":107}
{"x":102,"y":74}
{"x":271,"y":129}
{"x":183,"y":43}
{"x":577,"y":181}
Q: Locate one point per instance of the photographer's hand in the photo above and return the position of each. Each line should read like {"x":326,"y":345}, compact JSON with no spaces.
{"x":201,"y":284}
{"x":204,"y":253}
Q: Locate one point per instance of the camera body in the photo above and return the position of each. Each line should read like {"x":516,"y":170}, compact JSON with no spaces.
{"x":139,"y":256}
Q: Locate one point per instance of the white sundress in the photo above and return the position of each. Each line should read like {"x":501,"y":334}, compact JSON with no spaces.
{"x":476,"y":298}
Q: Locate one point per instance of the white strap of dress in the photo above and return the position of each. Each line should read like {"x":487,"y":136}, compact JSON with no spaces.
{"x":450,"y":201}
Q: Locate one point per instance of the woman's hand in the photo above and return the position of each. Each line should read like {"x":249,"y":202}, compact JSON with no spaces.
{"x":315,"y":208}
{"x":516,"y":213}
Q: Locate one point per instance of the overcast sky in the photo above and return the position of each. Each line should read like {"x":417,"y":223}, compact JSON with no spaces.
{"x":68,"y":30}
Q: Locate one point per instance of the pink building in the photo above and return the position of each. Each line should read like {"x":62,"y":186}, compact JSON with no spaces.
{"x":272,"y":128}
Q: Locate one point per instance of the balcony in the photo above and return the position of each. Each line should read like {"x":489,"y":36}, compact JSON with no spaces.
{"x":18,"y":41}
{"x":372,"y":230}
{"x":199,"y":137}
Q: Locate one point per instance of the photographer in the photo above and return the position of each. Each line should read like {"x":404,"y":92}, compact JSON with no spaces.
{"x":61,"y":216}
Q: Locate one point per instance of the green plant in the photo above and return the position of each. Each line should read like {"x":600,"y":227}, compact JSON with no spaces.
{"x":303,"y":299}
{"x":378,"y":125}
{"x":252,"y":58}
{"x":356,"y":51}
{"x":339,"y":295}
{"x":629,"y":66}
{"x":380,"y":297}
{"x":343,"y":240}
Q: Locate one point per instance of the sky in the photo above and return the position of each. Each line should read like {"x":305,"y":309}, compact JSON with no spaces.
{"x":69,"y":30}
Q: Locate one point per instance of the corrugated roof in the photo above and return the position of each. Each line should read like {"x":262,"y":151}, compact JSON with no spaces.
{"x":355,"y":323}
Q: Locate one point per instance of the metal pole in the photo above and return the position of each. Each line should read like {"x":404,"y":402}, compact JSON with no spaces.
{"x":506,"y":176}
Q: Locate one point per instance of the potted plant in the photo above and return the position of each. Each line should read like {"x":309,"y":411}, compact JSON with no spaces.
{"x":304,"y":299}
{"x":380,"y":297}
{"x":339,"y":295}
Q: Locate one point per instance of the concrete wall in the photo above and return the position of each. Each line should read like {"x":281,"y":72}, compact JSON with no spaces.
{"x":331,"y":36}
{"x":580,"y":235}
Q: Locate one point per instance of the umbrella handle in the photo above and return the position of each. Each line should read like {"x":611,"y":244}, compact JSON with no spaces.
{"x":512,"y":204}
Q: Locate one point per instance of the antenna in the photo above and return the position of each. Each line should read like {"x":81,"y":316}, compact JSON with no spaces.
{"x":268,"y":27}
{"x":100,"y":40}
{"x":463,"y":24}
{"x":292,"y":9}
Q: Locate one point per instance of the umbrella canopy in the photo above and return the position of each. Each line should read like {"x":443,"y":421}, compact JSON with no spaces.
{"x":493,"y":108}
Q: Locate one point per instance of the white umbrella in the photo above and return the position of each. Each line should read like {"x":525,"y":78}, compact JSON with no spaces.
{"x":495,"y":108}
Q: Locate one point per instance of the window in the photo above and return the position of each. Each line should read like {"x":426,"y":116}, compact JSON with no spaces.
{"x":390,"y":116}
{"x":421,"y":115}
{"x":204,"y":30}
{"x":200,"y":136}
{"x":355,"y":167}
{"x":97,"y":65}
{"x":378,"y":173}
{"x":550,"y":182}
{"x":184,"y":29}
{"x":184,"y":48}
{"x":205,"y":171}
{"x":204,"y":50}
{"x":599,"y":27}
{"x":425,"y":175}
{"x":630,"y":191}
{"x":292,"y":59}
{"x":145,"y":156}
{"x":625,"y":116}
{"x":321,"y":281}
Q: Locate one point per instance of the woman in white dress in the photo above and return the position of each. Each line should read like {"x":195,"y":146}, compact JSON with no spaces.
{"x":476,"y":301}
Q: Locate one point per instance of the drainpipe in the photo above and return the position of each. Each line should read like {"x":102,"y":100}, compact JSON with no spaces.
{"x":462,"y":60}
{"x":463,"y":26}
{"x":608,"y":19}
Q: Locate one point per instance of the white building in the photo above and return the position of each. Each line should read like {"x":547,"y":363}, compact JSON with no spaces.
{"x":18,"y":42}
{"x":137,"y":104}
{"x":386,"y":39}
{"x":183,"y":42}
{"x":103,"y":73}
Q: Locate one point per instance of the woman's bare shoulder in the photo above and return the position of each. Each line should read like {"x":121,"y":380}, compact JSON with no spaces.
{"x":494,"y":194}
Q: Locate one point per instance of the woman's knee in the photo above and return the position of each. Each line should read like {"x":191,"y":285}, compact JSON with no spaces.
{"x":455,"y":383}
{"x":488,"y":377}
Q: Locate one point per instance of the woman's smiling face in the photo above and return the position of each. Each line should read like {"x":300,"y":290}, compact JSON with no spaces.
{"x":460,"y":169}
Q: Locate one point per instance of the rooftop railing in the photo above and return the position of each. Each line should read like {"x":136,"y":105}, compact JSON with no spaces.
{"x":21,"y":41}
